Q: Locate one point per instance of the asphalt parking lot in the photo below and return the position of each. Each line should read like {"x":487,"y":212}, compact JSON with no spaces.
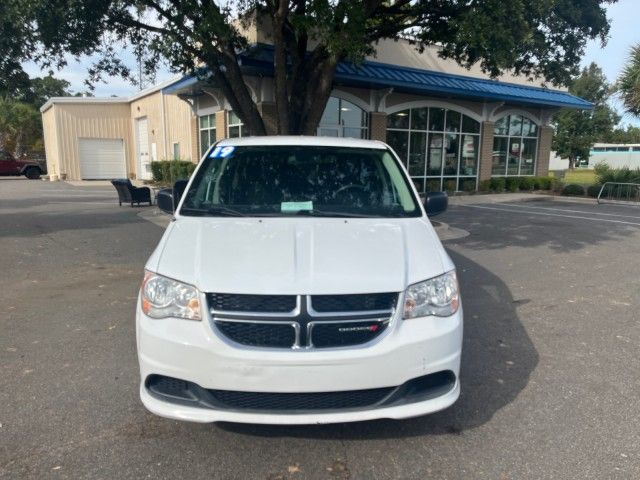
{"x":550,"y":369}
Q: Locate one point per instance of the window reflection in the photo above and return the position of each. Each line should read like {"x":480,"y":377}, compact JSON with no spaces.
{"x":438,"y":146}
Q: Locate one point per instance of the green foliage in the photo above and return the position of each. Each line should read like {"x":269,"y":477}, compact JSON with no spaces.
{"x":628,"y":85}
{"x":468,"y":185}
{"x":573,"y":189}
{"x":529,"y":37}
{"x":433,"y":185}
{"x":577,"y":130}
{"x":604,"y":174}
{"x":20,"y":126}
{"x":166,"y":172}
{"x":497,"y":184}
{"x":526,"y":184}
{"x":593,"y":190}
{"x":545,"y":183}
{"x":628,"y":134}
{"x":485,"y":186}
{"x":512,"y":184}
{"x":450,"y":185}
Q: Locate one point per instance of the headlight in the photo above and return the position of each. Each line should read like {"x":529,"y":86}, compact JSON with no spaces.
{"x":163,"y":297}
{"x":438,"y":296}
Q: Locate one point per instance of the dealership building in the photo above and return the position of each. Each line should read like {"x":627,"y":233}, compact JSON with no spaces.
{"x":452,"y":127}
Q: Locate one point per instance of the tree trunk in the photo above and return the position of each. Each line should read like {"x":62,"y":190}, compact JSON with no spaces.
{"x":572,"y":163}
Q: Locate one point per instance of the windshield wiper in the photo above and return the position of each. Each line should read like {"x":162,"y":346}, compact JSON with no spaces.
{"x":325,"y":213}
{"x":212,"y":211}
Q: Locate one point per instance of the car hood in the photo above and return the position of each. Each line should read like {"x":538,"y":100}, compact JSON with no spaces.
{"x":299,"y":256}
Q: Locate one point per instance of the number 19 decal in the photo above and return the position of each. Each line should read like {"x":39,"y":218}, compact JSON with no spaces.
{"x":222,"y":152}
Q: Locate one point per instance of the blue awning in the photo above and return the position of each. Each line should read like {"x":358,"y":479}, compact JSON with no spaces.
{"x":377,"y":75}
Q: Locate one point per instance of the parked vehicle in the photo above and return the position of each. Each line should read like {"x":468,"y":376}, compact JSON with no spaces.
{"x":16,"y":167}
{"x":300,"y":282}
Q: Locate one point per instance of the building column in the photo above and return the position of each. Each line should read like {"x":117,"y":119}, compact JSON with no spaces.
{"x":221,"y":125}
{"x":486,"y":151}
{"x":378,"y":126}
{"x":195,"y":139}
{"x":544,"y":150}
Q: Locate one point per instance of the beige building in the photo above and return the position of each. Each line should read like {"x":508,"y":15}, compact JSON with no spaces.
{"x":451,"y":127}
{"x":103,"y":138}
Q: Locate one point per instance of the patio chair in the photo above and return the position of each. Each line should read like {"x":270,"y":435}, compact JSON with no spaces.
{"x":127,"y":193}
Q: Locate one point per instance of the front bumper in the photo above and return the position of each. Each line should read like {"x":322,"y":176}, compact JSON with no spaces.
{"x":194,"y":352}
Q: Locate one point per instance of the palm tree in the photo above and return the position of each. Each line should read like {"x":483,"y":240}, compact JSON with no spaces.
{"x":628,"y":85}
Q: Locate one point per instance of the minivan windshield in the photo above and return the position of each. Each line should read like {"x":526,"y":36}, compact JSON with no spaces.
{"x":300,"y":180}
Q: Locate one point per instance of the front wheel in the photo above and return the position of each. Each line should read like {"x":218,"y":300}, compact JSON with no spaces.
{"x":32,"y":173}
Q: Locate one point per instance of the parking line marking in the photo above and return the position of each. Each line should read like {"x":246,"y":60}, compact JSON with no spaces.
{"x":568,"y":210}
{"x":552,"y":214}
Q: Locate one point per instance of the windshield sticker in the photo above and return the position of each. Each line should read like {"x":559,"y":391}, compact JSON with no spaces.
{"x":222,"y":152}
{"x":296,"y":206}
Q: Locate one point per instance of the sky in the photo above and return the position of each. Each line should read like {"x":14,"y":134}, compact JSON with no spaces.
{"x":624,"y":33}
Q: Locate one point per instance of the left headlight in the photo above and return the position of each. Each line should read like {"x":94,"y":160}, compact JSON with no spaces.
{"x":163,"y":297}
{"x":437,"y":296}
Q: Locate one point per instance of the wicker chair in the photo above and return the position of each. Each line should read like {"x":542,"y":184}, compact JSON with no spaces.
{"x":127,"y":193}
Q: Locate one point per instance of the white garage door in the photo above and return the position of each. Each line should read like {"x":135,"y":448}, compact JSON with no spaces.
{"x":102,"y":158}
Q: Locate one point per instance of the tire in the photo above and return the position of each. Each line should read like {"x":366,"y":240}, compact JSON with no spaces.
{"x":32,"y":173}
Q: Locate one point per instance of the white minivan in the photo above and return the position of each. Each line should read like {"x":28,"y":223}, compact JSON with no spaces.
{"x":300,"y":281}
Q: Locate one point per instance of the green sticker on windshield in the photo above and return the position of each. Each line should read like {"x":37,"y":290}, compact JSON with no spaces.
{"x":295,"y":206}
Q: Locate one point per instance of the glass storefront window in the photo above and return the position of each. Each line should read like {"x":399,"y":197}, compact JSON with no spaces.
{"x":437,"y":145}
{"x":515,"y":146}
{"x":343,"y":119}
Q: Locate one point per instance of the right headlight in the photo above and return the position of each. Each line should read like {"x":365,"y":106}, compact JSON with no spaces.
{"x":164,"y":297}
{"x":437,"y":296}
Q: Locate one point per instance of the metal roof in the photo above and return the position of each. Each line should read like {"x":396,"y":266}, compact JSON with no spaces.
{"x":377,"y":75}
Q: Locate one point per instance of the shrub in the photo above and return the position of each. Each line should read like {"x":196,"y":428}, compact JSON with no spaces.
{"x":450,"y":185}
{"x":485,"y":186}
{"x":573,"y":189}
{"x":497,"y":184}
{"x":512,"y":184}
{"x":166,"y":172}
{"x":544,"y":183}
{"x":556,"y":185}
{"x":604,"y":174}
{"x":526,"y":183}
{"x":433,"y":185}
{"x":468,"y":185}
{"x":593,"y":190}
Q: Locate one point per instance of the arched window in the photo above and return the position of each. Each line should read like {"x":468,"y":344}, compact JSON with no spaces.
{"x":439,"y":146}
{"x":343,"y":119}
{"x":515,"y":146}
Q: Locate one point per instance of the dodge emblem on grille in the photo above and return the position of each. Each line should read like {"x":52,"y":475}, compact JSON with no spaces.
{"x":368,"y":328}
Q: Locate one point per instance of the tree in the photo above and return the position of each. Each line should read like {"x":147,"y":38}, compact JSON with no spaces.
{"x":628,"y":85}
{"x":630,"y":134}
{"x":20,"y":126}
{"x":577,"y":130}
{"x":310,"y":37}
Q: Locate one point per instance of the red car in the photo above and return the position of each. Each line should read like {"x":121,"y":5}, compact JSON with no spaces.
{"x":11,"y":166}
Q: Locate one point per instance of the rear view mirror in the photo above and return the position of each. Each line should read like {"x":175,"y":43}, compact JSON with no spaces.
{"x":436,"y":203}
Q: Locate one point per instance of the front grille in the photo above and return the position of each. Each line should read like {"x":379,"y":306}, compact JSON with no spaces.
{"x":300,"y":401}
{"x":289,"y":321}
{"x":343,"y":334}
{"x":252,"y":303}
{"x":281,"y":335}
{"x":354,"y":303}
{"x":182,"y":392}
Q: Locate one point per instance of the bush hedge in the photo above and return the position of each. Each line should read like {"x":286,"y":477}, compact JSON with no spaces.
{"x":526,"y":184}
{"x":574,"y":189}
{"x":605,"y":173}
{"x":593,"y":190}
{"x":497,"y":184}
{"x":166,"y":172}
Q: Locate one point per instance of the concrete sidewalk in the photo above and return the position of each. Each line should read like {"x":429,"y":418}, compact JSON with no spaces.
{"x":514,"y":197}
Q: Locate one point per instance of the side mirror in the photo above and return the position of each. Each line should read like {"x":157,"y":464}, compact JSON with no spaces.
{"x":168,"y":198}
{"x":436,"y":203}
{"x":178,"y":189}
{"x":164,"y":200}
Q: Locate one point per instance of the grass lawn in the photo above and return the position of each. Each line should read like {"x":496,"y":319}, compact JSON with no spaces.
{"x":582,"y":176}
